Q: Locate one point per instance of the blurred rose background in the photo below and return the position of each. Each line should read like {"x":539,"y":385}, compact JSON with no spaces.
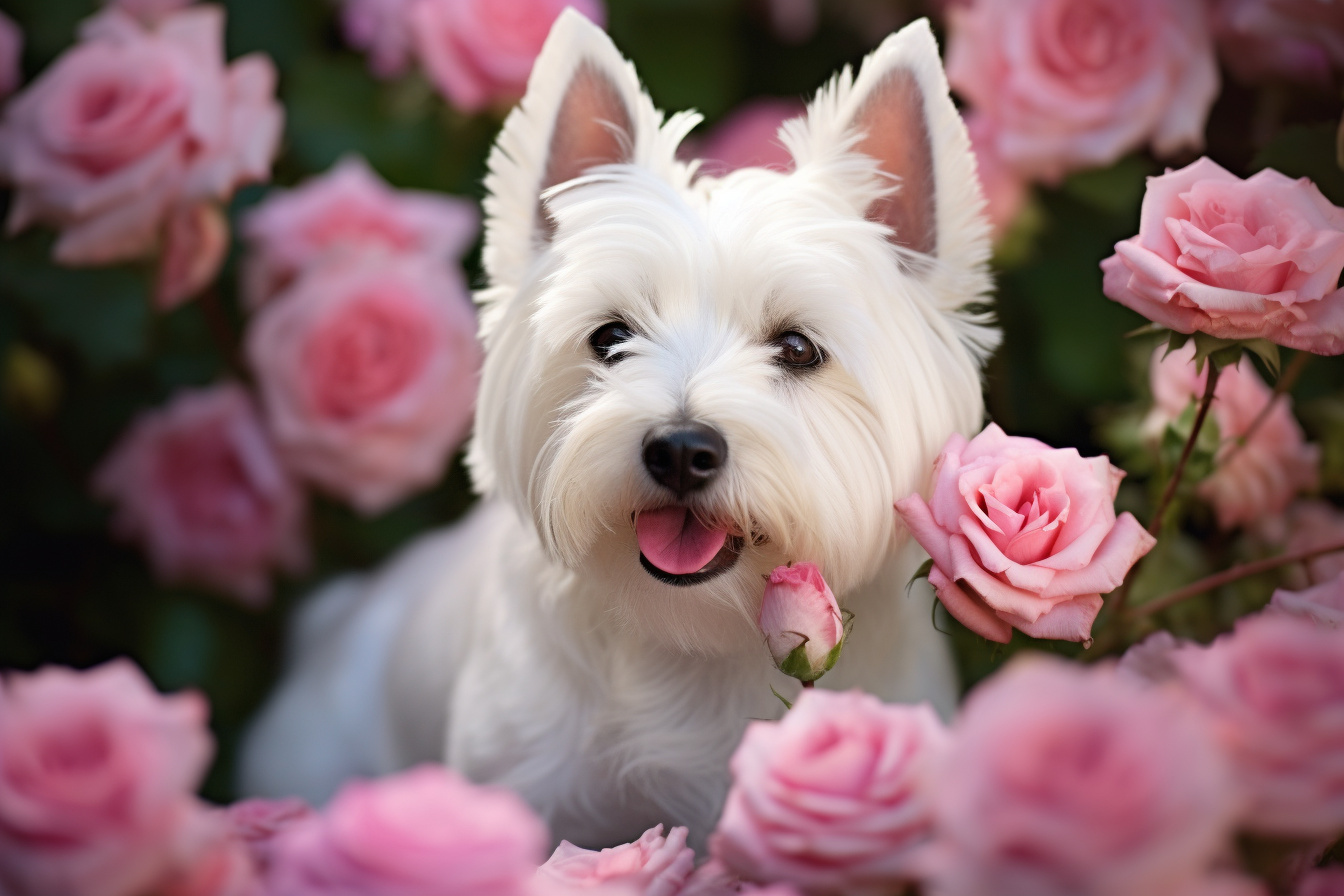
{"x":236,"y":339}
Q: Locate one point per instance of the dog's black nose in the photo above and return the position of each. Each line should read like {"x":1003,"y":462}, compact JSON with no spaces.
{"x":684,"y":456}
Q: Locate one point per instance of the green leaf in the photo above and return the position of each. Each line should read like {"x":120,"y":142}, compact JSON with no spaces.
{"x":782,"y":698}
{"x":796,"y":664}
{"x":921,"y":573}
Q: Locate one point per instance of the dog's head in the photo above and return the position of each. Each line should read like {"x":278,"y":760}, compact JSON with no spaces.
{"x":689,"y":381}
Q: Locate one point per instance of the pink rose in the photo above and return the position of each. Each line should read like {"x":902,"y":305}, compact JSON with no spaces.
{"x":199,"y":485}
{"x":1322,"y":605}
{"x":381,"y":28}
{"x":655,"y":865}
{"x":1308,"y":523}
{"x":368,"y":367}
{"x":1079,"y":83}
{"x":1276,"y":463}
{"x":1238,"y":259}
{"x":195,"y":241}
{"x":130,"y":123}
{"x":222,"y":868}
{"x":748,"y":136}
{"x":149,"y":12}
{"x":833,"y":797}
{"x":1322,"y":882}
{"x":1070,"y":781}
{"x":11,"y":56}
{"x":255,"y":824}
{"x":425,"y":831}
{"x":1275,"y":687}
{"x":1294,"y":40}
{"x":480,"y":52}
{"x":801,"y":621}
{"x":1023,"y":535}
{"x":1005,"y":190}
{"x":347,"y":209}
{"x":97,"y":772}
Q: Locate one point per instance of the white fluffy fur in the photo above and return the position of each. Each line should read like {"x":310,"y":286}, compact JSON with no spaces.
{"x":526,"y":646}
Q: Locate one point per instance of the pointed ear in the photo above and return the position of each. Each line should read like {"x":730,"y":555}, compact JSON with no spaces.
{"x":583,"y":108}
{"x":898,"y":112}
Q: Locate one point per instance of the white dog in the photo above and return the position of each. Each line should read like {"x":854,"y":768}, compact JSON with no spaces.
{"x":688,"y":381}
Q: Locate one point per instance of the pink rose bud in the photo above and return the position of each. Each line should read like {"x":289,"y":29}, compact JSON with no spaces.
{"x":11,"y":55}
{"x":195,"y":241}
{"x":1322,"y":605}
{"x":131,"y":123}
{"x":801,"y":621}
{"x":653,"y":865}
{"x":97,"y":775}
{"x":1275,"y":688}
{"x":423,"y":832}
{"x":1064,"y":780}
{"x":199,"y":485}
{"x":1078,"y":85}
{"x":480,"y":52}
{"x":1024,"y":536}
{"x":350,"y":208}
{"x":835,"y":797}
{"x":1205,"y":259}
{"x":1261,"y":477}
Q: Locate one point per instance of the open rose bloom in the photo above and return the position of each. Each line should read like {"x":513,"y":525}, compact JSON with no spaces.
{"x":130,"y":123}
{"x":1322,"y":605}
{"x":1023,"y":535}
{"x":1238,"y":259}
{"x":1064,"y":780}
{"x":1281,"y":40}
{"x":653,"y":865}
{"x":1078,"y":84}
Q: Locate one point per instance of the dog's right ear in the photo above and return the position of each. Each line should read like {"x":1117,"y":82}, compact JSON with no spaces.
{"x":583,"y":108}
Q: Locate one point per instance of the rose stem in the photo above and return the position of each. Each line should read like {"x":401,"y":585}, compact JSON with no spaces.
{"x":221,"y":329}
{"x":1155,"y":524}
{"x":1241,"y":571}
{"x":1286,"y":381}
{"x":808,"y":684}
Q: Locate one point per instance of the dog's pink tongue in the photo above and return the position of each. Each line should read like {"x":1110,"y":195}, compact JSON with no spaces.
{"x":673,"y":540}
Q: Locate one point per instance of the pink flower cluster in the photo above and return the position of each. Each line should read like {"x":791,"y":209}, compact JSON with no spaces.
{"x":364,"y":351}
{"x":1055,"y":778}
{"x":1023,"y":536}
{"x":478,"y":53}
{"x":132,"y":139}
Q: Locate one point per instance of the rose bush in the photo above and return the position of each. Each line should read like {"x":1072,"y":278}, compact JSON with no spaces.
{"x":1078,"y":84}
{"x":367,"y":367}
{"x":1238,"y":259}
{"x":1023,"y":535}
{"x":130,"y":123}
{"x":199,"y":485}
{"x":832,"y":798}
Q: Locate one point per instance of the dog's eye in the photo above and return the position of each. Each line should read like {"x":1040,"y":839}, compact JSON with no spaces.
{"x":607,"y":337}
{"x":796,"y":350}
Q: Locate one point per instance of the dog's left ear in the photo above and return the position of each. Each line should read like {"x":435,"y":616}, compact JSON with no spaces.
{"x":898,"y":112}
{"x":583,"y":108}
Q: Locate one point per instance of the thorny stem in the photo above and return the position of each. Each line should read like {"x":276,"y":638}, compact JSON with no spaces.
{"x":1155,"y":524}
{"x":1286,"y":381}
{"x":1241,"y":571}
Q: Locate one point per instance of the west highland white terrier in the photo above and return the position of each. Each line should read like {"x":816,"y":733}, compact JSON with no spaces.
{"x":688,"y":381}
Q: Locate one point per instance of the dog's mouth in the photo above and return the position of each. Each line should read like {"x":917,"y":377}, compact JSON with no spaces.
{"x":677,"y":548}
